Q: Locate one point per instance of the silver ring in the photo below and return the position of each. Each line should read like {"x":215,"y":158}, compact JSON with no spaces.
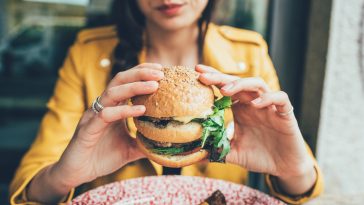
{"x":286,"y":113}
{"x":97,"y":106}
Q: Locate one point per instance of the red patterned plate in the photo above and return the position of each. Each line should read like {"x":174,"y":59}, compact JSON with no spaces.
{"x":172,"y":190}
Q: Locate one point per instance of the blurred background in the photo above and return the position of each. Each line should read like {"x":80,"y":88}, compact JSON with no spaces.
{"x":316,"y":46}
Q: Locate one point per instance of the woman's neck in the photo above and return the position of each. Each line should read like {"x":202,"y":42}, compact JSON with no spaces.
{"x":172,"y":47}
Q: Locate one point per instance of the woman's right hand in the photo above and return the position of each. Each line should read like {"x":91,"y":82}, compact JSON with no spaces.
{"x":101,"y":143}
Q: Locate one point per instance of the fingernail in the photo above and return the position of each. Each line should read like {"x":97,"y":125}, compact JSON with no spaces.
{"x":257,"y":101}
{"x":157,"y":73}
{"x":207,"y":75}
{"x":227,"y":87}
{"x":139,"y":107}
{"x":158,"y":66}
{"x":151,"y":83}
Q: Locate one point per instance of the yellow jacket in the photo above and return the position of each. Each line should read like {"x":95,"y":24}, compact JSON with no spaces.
{"x":84,"y":76}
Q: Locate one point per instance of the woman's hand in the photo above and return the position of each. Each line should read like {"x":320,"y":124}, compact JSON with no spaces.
{"x":267,"y":138}
{"x":101,"y":143}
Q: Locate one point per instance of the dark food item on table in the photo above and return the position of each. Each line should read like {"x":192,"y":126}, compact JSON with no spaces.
{"x":182,"y":123}
{"x":216,"y":198}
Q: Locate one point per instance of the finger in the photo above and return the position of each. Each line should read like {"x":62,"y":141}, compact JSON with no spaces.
{"x":205,"y":69}
{"x":110,"y":114}
{"x":113,"y":96}
{"x":152,"y":73}
{"x":133,"y":75}
{"x":230,"y":130}
{"x":280,"y":99}
{"x":244,"y":97}
{"x":218,"y":79}
{"x":245,"y":84}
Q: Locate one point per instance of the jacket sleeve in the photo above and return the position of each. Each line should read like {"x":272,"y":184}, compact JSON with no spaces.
{"x":57,"y":127}
{"x":268,"y":73}
{"x":315,"y":191}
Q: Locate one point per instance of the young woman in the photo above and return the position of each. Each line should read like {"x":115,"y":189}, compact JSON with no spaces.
{"x":78,"y":148}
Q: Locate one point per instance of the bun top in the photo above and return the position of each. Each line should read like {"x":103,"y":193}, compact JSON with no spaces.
{"x":180,"y":94}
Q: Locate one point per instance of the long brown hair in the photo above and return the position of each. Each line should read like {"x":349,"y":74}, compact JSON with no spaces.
{"x":130,"y":25}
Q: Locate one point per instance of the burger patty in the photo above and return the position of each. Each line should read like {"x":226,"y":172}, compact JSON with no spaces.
{"x":168,"y":148}
{"x":164,"y":121}
{"x":158,"y":122}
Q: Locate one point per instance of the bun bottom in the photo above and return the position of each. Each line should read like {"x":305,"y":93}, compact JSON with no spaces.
{"x":175,"y":161}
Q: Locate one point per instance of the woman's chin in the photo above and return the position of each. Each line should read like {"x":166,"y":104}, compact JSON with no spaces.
{"x":173,"y":24}
{"x":176,"y":27}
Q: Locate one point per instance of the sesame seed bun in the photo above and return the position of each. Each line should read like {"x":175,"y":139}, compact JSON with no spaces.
{"x":180,"y":93}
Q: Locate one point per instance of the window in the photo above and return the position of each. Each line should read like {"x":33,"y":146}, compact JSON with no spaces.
{"x":248,"y":14}
{"x":34,"y":38}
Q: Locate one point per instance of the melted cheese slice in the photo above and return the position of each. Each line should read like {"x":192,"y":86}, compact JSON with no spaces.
{"x":187,"y":119}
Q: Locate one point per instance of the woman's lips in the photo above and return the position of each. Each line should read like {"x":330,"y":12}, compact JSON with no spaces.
{"x":170,"y":9}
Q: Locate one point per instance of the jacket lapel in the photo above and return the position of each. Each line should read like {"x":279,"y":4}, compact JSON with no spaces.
{"x":217,"y":51}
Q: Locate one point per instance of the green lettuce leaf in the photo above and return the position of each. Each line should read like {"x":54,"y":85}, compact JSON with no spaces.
{"x":214,"y":131}
{"x":213,"y":135}
{"x":223,"y":103}
{"x":173,"y":150}
{"x":168,"y":150}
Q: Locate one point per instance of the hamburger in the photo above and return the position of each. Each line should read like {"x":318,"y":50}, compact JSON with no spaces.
{"x":182,"y":124}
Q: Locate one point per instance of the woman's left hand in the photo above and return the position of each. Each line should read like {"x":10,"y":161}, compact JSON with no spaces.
{"x":266,"y":138}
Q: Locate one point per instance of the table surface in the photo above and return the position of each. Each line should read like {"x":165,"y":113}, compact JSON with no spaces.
{"x":172,"y":190}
